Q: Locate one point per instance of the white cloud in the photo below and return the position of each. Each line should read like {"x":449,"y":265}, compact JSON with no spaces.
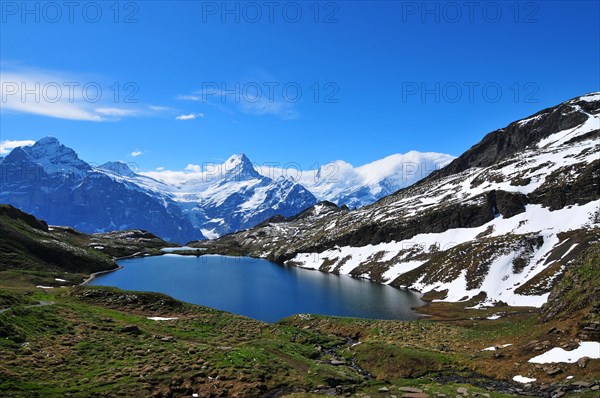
{"x":190,"y":116}
{"x":264,"y":106}
{"x":60,"y":95}
{"x":135,"y":154}
{"x":159,"y":108}
{"x":191,"y":172}
{"x":173,"y":177}
{"x":116,"y":112}
{"x":188,"y":98}
{"x":258,"y":103}
{"x":196,"y":168}
{"x":8,"y":145}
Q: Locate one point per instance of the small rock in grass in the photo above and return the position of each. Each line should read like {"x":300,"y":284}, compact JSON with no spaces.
{"x":410,"y":389}
{"x":462,"y":390}
{"x":132,"y":329}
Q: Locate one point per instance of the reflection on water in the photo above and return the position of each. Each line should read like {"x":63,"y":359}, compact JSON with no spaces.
{"x":260,"y":289}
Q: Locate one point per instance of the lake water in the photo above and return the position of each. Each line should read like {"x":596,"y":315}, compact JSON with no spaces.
{"x":260,"y":289}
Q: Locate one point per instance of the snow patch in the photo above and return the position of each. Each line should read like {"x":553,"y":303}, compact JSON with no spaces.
{"x":523,"y":379}
{"x":590,"y":349}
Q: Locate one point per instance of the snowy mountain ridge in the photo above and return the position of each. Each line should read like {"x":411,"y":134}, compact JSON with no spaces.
{"x":49,"y":181}
{"x":502,"y":222}
{"x":343,"y":184}
{"x":220,"y":199}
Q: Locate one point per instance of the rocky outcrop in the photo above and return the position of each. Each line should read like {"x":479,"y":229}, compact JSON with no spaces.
{"x":576,"y":184}
{"x":516,"y":137}
{"x":510,"y":204}
{"x":27,"y":243}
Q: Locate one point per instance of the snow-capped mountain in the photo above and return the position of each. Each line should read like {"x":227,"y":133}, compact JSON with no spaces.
{"x":234,"y":196}
{"x":49,"y":181}
{"x":502,"y":222}
{"x":343,"y":184}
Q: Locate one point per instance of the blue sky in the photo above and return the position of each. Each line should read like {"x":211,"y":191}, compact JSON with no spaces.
{"x":375,"y":78}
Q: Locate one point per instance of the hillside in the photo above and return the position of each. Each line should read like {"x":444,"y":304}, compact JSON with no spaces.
{"x":503,"y":220}
{"x":32,"y":253}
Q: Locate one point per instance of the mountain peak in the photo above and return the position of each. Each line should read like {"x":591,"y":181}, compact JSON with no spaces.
{"x":239,"y":167}
{"x":56,"y":158}
{"x":18,"y":155}
{"x":46,"y":146}
{"x":118,"y":168}
{"x":48,"y":141}
{"x":236,"y":159}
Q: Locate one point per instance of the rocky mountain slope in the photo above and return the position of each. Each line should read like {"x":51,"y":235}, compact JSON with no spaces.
{"x":504,"y":219}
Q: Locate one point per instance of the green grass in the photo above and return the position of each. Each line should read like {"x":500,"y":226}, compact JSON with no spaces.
{"x":76,"y":348}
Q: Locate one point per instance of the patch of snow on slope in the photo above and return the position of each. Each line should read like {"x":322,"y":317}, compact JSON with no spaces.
{"x":590,"y":349}
{"x":500,"y":280}
{"x":559,"y":138}
{"x":593,"y":97}
{"x":523,"y":379}
{"x":400,"y":268}
{"x":209,"y":233}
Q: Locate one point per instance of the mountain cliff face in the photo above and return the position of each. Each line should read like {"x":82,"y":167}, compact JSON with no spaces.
{"x":503,"y":219}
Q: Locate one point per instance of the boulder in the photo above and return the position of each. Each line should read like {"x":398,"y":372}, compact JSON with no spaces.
{"x":131,"y":329}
